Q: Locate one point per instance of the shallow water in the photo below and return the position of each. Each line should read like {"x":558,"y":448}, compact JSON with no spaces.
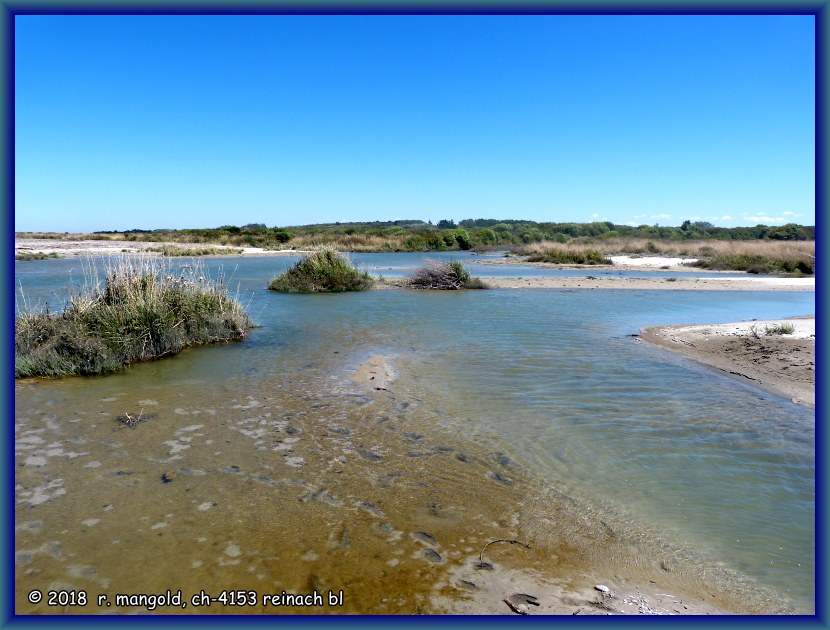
{"x":286,"y":474}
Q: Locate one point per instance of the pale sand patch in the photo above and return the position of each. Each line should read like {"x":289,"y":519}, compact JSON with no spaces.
{"x":781,"y":364}
{"x":376,"y":373}
{"x":485,"y":592}
{"x":649,"y":261}
{"x":114,"y":248}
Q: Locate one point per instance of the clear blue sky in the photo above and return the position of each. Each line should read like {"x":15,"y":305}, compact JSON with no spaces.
{"x":199,"y":121}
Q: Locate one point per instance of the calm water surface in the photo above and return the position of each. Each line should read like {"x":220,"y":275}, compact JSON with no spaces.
{"x":676,"y":455}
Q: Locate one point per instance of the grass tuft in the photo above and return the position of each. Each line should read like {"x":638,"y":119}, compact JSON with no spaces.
{"x":324,"y":271}
{"x":780,"y":329}
{"x":141,"y":311}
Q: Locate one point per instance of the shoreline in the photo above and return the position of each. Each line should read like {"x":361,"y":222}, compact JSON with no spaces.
{"x":717,"y":281}
{"x":780,"y":364}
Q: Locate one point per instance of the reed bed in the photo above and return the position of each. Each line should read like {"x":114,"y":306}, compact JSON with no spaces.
{"x":35,"y":255}
{"x":323,"y":271}
{"x":141,"y":310}
{"x":173,"y":251}
{"x":565,"y":254}
{"x":349,"y":242}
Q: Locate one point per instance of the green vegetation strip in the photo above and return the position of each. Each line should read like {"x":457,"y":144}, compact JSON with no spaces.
{"x":35,"y":255}
{"x":141,"y":311}
{"x":172,"y":251}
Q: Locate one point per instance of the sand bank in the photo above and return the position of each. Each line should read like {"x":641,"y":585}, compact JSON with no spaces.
{"x":376,"y":373}
{"x":781,"y":364}
{"x":114,"y":248}
{"x":750,"y":283}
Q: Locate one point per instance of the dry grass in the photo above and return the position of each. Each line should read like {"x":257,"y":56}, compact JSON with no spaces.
{"x":754,"y":256}
{"x":348,"y":242}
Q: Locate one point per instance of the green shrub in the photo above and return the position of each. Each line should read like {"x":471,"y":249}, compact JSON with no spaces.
{"x":324,"y":271}
{"x":142,"y":311}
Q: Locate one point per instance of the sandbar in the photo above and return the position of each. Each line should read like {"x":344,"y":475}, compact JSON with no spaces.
{"x":783,"y":364}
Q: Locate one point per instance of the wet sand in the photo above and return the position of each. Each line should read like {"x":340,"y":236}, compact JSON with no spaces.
{"x":781,"y":364}
{"x":281,"y":487}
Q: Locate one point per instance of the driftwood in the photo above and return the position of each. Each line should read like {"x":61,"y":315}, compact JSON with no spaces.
{"x":435,"y":275}
{"x":493,"y":542}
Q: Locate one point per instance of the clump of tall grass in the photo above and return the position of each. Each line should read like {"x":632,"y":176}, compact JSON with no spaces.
{"x":141,"y":310}
{"x":444,"y":275}
{"x":569,"y":255}
{"x":758,"y":263}
{"x":172,"y":251}
{"x":323,"y":271}
{"x":780,"y":329}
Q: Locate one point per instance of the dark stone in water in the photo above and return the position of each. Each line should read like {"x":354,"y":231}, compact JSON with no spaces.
{"x":462,"y":457}
{"x":432,"y":555}
{"x":374,"y":457}
{"x":413,"y":436}
{"x":503,"y":460}
{"x":370,"y":507}
{"x":340,"y":431}
{"x":424,"y":537}
{"x":231,"y":469}
{"x":416,"y":453}
{"x":388,"y":478}
{"x":292,"y":430}
{"x":501,"y":478}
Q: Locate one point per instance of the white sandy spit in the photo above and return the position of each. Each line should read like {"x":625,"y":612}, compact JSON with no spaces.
{"x":650,"y":261}
{"x":805,"y":328}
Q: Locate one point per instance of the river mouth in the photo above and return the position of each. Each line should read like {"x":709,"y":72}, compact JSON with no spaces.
{"x":279,"y":464}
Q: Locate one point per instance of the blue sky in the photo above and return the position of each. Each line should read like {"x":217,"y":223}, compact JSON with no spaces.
{"x":152,"y":122}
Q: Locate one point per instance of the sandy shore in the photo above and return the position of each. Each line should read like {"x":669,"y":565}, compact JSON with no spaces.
{"x":781,"y":364}
{"x":590,"y":281}
{"x":750,"y":283}
{"x":114,"y":248}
